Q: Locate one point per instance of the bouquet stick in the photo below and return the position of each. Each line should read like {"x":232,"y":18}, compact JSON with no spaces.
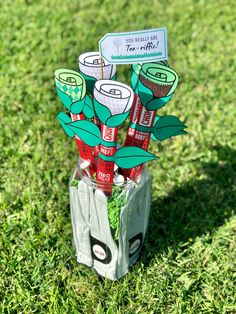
{"x":96,"y":119}
{"x":101,"y":62}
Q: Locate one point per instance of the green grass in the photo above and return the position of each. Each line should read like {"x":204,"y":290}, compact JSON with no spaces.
{"x":188,"y":262}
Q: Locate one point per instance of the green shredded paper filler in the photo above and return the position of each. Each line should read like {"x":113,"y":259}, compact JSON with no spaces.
{"x":115,"y":203}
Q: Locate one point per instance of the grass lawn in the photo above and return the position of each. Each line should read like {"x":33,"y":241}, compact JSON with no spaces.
{"x":188,"y":262}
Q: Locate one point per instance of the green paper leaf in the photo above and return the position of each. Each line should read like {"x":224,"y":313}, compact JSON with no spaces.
{"x":166,"y":127}
{"x":169,"y":120}
{"x":90,"y":81}
{"x":134,"y":81}
{"x":66,"y":100}
{"x":102,"y":112}
{"x":88,"y":107}
{"x":63,"y":118}
{"x":87,"y":131}
{"x":132,"y":156}
{"x":166,"y":132}
{"x":117,"y":119}
{"x":77,"y":106}
{"x":157,"y":103}
{"x":145,"y":94}
{"x":182,"y":132}
{"x":154,"y":138}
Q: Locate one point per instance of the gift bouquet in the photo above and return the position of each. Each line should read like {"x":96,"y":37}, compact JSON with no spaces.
{"x":110,"y":190}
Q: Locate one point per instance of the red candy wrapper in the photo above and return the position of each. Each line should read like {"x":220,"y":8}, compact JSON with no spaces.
{"x":142,"y":139}
{"x":85,"y":151}
{"x":134,"y":118}
{"x":96,"y":148}
{"x":142,"y":116}
{"x":105,"y":169}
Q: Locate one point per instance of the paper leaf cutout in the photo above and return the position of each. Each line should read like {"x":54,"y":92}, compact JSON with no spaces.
{"x":166,"y":132}
{"x":134,"y":82}
{"x":63,"y":118}
{"x":90,"y":81}
{"x":103,"y":112}
{"x":132,"y":156}
{"x":77,"y":106}
{"x":166,"y":127}
{"x":117,"y":119}
{"x":66,"y":100}
{"x":169,"y":120}
{"x":88,"y":107}
{"x":87,"y":131}
{"x":157,"y":103}
{"x":182,"y":132}
{"x":145,"y":94}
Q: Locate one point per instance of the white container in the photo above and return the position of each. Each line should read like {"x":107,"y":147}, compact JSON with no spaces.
{"x":108,"y":250}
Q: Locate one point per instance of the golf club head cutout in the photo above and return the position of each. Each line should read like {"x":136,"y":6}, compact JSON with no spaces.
{"x":135,"y":70}
{"x":155,"y":83}
{"x":71,"y":89}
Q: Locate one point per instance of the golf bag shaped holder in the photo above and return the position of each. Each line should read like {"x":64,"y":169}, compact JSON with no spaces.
{"x":109,"y":251}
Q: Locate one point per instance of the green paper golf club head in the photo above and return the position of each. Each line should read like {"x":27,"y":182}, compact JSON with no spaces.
{"x":71,"y":89}
{"x":135,"y":70}
{"x":156,"y":85}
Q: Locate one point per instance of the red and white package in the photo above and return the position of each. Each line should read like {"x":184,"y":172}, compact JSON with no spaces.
{"x":105,"y":169}
{"x":140,"y":139}
{"x":134,"y":118}
{"x":98,"y":123}
{"x":85,"y":151}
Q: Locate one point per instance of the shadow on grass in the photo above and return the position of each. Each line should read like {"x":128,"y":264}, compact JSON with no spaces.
{"x":194,"y":208}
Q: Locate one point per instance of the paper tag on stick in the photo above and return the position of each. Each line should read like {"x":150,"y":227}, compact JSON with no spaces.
{"x":134,"y":47}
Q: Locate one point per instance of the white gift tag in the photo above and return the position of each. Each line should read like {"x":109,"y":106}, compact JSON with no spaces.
{"x":134,"y":47}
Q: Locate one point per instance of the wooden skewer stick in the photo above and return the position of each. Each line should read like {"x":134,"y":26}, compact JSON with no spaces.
{"x":101,"y":68}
